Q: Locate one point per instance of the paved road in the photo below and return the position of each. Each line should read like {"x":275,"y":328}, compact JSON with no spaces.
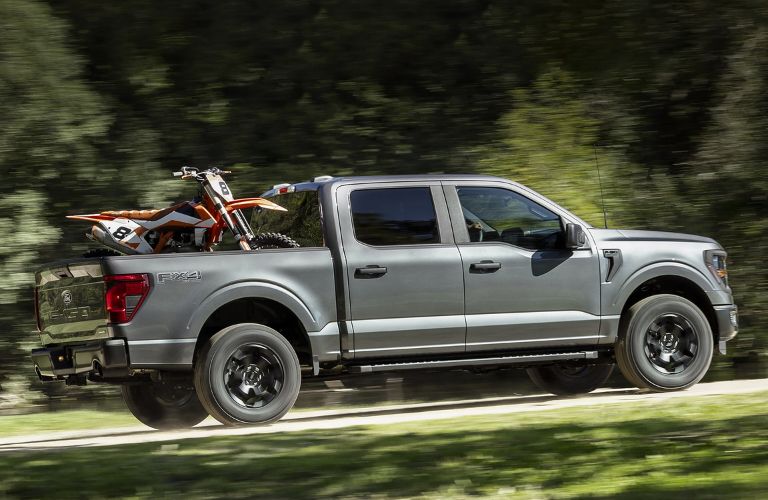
{"x":379,"y":415}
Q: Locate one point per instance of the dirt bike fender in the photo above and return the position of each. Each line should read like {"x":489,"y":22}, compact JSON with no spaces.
{"x":243,"y":203}
{"x":92,"y":217}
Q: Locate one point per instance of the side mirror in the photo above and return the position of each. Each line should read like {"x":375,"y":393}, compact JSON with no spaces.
{"x":575,"y":237}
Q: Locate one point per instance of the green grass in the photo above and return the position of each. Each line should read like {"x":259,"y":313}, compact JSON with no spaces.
{"x":80,"y":420}
{"x":72,"y":420}
{"x":713,"y":447}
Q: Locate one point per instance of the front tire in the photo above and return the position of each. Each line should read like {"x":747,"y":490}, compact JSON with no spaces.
{"x":569,"y":380}
{"x":247,"y":374}
{"x":164,"y":406}
{"x":665,"y":344}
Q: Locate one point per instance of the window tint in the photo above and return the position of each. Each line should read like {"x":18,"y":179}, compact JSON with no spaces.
{"x":301,"y":221}
{"x":497,"y":214}
{"x":394,"y":216}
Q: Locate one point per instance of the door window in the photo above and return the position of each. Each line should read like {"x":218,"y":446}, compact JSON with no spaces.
{"x":394,"y":216}
{"x":497,"y":214}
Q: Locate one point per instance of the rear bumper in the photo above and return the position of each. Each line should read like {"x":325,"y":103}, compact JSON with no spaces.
{"x":60,"y":362}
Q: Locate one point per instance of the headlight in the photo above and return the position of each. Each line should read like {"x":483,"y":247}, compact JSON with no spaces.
{"x":715,"y":261}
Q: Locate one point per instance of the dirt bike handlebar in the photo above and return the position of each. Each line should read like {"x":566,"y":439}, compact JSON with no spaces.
{"x":193,"y":173}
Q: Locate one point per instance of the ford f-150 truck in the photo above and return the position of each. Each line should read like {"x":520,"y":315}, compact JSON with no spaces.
{"x":393,"y":273}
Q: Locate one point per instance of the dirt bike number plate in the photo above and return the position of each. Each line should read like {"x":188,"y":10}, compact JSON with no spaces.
{"x":124,"y":233}
{"x":220,"y":187}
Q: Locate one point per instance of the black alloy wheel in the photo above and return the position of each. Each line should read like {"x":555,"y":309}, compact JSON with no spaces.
{"x":254,"y":375}
{"x":671,"y":343}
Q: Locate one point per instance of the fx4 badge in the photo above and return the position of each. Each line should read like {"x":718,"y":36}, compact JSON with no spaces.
{"x":184,"y":276}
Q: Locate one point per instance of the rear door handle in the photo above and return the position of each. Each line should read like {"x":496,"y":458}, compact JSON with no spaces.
{"x":486,"y":266}
{"x":370,"y":272}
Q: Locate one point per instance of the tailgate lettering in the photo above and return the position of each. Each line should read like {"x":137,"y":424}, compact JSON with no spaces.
{"x":70,"y":314}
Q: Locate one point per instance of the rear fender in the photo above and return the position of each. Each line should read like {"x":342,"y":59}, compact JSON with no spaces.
{"x":251,"y":290}
{"x":178,"y":353}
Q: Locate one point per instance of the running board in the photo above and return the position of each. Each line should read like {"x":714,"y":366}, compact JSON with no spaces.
{"x":458,"y":363}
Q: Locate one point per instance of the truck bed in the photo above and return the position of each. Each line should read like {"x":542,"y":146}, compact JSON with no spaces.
{"x":185,"y":289}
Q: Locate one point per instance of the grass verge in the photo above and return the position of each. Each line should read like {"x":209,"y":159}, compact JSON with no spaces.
{"x":71,"y":420}
{"x":712,"y":447}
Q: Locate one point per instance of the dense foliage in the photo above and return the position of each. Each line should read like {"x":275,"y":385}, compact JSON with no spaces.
{"x":99,"y":101}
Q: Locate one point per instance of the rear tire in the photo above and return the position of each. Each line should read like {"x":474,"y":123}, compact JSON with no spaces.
{"x":101,"y":252}
{"x":665,"y":344}
{"x":164,"y":406}
{"x":568,"y":380}
{"x":247,"y":374}
{"x":273,"y":240}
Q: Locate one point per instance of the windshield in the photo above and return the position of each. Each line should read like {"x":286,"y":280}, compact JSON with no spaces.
{"x":301,"y":221}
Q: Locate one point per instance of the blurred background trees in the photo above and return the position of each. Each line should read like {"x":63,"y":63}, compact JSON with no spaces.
{"x":100,"y":101}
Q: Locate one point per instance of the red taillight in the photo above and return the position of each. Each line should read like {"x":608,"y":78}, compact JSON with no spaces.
{"x":125,"y":293}
{"x":37,"y":309}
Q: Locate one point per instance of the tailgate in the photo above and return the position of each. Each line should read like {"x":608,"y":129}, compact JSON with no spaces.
{"x":70,"y":302}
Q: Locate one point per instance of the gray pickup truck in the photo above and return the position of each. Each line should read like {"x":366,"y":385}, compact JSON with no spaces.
{"x":393,"y":273}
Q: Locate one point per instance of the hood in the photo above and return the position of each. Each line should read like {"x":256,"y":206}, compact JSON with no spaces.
{"x":635,"y":235}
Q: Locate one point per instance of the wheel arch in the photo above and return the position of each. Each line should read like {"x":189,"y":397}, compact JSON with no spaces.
{"x":668,"y":278}
{"x":262,"y":303}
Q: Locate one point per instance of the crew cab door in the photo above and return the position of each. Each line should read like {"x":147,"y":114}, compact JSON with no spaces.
{"x":523,"y":288}
{"x":403,"y":270}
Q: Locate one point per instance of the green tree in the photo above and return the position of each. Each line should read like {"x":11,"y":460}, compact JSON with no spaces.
{"x":550,"y":139}
{"x":727,"y":180}
{"x":51,"y":121}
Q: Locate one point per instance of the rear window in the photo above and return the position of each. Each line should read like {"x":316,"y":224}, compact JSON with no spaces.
{"x":301,"y":222}
{"x":394,"y":216}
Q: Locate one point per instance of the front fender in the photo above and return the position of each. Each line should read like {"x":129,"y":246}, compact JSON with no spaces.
{"x":657,"y":270}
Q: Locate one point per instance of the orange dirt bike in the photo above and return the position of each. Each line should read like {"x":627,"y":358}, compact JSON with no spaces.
{"x":195,"y":225}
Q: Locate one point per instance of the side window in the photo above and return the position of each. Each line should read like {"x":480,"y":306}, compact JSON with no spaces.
{"x":497,"y":214}
{"x":394,"y":216}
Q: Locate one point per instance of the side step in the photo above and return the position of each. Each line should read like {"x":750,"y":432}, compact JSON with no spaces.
{"x":457,"y":363}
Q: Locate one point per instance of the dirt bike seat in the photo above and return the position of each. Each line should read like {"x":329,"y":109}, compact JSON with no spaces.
{"x":185,"y":207}
{"x":138,"y":214}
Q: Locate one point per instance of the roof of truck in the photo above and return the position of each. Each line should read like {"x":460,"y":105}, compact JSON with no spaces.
{"x":315,"y":184}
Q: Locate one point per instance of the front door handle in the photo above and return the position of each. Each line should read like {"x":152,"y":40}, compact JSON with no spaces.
{"x":486,"y":266}
{"x":370,"y":272}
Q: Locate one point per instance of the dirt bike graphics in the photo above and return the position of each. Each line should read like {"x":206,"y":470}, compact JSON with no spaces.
{"x":187,"y":226}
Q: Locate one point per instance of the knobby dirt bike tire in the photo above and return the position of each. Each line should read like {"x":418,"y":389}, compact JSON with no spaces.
{"x":101,"y":252}
{"x":273,"y":240}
